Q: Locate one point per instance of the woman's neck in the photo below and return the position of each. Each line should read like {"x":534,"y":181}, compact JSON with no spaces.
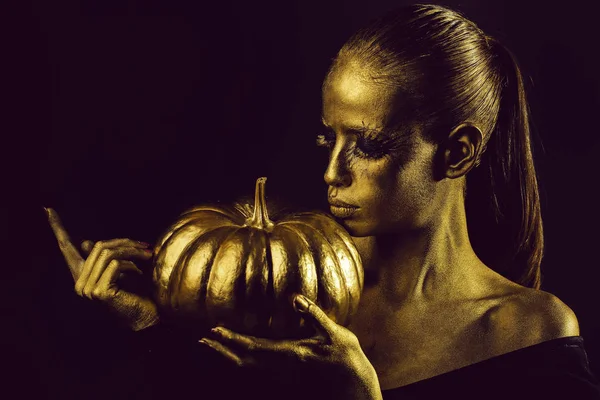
{"x":433,"y":263}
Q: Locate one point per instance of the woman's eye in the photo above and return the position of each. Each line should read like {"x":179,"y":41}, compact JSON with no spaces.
{"x":366,"y":148}
{"x":362,"y":148}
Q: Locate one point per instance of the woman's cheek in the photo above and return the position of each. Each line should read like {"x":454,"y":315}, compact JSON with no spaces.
{"x":376,"y":173}
{"x":414,"y":195}
{"x":372,"y":186}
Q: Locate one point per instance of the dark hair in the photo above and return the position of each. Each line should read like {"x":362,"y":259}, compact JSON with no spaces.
{"x":451,"y":72}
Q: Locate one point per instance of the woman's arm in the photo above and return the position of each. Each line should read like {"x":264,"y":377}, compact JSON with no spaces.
{"x":97,"y":277}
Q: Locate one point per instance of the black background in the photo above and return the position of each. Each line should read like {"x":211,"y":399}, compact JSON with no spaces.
{"x":128,"y":112}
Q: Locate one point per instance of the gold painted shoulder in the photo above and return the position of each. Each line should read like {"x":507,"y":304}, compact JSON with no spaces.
{"x":528,"y":317}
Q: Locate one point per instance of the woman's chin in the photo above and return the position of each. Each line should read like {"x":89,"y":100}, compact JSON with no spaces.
{"x":357,"y":228}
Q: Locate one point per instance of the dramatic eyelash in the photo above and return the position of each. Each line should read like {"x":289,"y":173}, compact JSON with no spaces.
{"x":371,"y":148}
{"x":370,"y":144}
{"x":326,"y":139}
{"x":392,"y":141}
{"x":373,"y":145}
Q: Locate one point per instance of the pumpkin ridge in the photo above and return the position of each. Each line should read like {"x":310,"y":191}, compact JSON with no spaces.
{"x":239,"y":289}
{"x":356,"y":261}
{"x":307,"y":214}
{"x":308,"y":250}
{"x":176,"y":289}
{"x":270,"y":301}
{"x":162,"y":257}
{"x":227,"y":217}
{"x":346,"y":239}
{"x":211,"y":301}
{"x":197,"y":221}
{"x":270,"y":290}
{"x":350,"y":246}
{"x":207,"y":208}
{"x":182,"y":223}
{"x":287,"y":279}
{"x":255,"y":285}
{"x":339,"y":270}
{"x":306,"y":266}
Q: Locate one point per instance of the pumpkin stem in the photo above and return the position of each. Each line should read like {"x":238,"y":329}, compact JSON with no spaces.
{"x":260,"y":218}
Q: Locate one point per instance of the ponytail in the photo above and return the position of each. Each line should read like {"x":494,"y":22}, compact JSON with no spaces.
{"x":514,"y":245}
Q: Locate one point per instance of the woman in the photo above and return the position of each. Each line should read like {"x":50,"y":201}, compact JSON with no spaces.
{"x":426,"y":126}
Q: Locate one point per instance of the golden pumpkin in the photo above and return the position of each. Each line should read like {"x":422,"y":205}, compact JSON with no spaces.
{"x":233,"y":266}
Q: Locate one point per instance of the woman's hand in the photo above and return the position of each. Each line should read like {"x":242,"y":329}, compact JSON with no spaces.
{"x":96,"y":277}
{"x":334,"y":352}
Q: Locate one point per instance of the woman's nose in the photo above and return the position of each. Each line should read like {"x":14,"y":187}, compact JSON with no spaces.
{"x":337,"y":173}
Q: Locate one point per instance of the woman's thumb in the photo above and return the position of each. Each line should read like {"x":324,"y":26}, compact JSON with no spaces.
{"x":314,"y":314}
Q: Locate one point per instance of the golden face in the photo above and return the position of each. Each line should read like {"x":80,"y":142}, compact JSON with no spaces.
{"x":379,"y":181}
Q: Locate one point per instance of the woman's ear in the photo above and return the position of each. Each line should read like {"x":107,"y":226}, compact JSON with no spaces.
{"x":462,"y":150}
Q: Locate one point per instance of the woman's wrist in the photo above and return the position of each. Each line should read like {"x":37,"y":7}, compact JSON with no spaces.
{"x":360,"y":383}
{"x":145,"y":322}
{"x":368,"y":386}
{"x":140,"y":315}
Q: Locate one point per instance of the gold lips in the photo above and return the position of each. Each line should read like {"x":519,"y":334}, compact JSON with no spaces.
{"x":342,"y":212}
{"x":339,"y":203}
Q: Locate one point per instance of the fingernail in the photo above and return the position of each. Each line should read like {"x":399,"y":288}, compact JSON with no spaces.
{"x":149,"y":251}
{"x":46,"y":211}
{"x":218,"y":331}
{"x":144,"y":243}
{"x":301,"y":303}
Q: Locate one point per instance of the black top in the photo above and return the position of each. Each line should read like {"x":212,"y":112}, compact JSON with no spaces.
{"x":177,"y":367}
{"x":556,"y":369}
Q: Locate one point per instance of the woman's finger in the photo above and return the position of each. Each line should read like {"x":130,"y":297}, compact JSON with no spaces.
{"x":106,"y":288}
{"x":91,"y":261}
{"x":266,"y":351}
{"x":246,"y":342}
{"x":225,"y":352}
{"x":251,"y":344}
{"x":139,"y":312}
{"x":69,"y":251}
{"x":109,"y":255}
{"x":314,"y":315}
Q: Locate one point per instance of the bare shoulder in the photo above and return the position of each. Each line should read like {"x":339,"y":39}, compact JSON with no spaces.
{"x":545,"y":312}
{"x":525,"y":317}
